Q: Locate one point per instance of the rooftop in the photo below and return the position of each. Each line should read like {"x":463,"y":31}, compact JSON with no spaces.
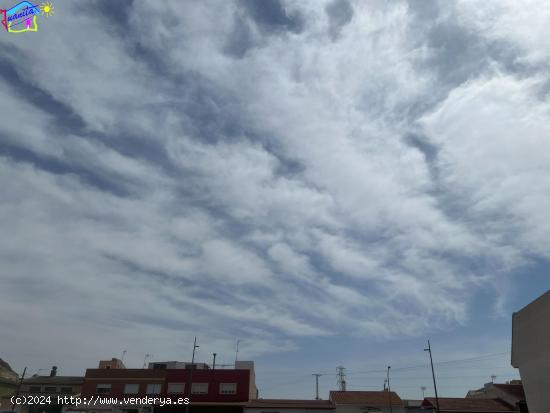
{"x":372,"y":398}
{"x":449,"y":404}
{"x":6,"y":372}
{"x":290,"y":403}
{"x":541,"y":300}
{"x":54,"y":380}
{"x":515,"y":390}
{"x":124,"y":373}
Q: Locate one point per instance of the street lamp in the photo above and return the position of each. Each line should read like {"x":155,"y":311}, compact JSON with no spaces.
{"x":389,"y":390}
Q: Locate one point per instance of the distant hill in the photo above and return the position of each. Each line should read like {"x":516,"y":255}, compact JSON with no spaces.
{"x":6,"y":372}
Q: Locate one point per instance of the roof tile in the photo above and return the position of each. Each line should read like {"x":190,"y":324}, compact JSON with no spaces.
{"x":290,"y":403}
{"x":449,"y":404}
{"x":372,"y":398}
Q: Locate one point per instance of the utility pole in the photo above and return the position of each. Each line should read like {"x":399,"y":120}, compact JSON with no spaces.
{"x":423,"y":388}
{"x":191,"y":374}
{"x":493,"y":377}
{"x":18,"y":389}
{"x":123,"y":354}
{"x":317,"y":385}
{"x":389,"y":391}
{"x":429,"y":349}
{"x":214,"y":361}
{"x":341,"y":378}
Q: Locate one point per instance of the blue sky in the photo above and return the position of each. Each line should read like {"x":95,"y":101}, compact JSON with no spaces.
{"x":332,"y":182}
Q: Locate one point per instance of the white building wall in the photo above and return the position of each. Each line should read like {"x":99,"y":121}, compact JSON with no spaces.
{"x":491,"y":392}
{"x":531,"y":352}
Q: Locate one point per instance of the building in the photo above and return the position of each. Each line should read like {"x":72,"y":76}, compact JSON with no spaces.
{"x":114,"y":363}
{"x":367,"y":401}
{"x":413,"y":406}
{"x":530,"y":352}
{"x":107,"y":383}
{"x":53,"y":386}
{"x":8,"y":380}
{"x":512,"y":393}
{"x":212,"y":390}
{"x":177,"y":365}
{"x":7,"y":387}
{"x":458,"y":405}
{"x":288,"y":406}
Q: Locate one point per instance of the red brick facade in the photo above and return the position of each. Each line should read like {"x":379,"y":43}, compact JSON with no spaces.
{"x":112,"y":383}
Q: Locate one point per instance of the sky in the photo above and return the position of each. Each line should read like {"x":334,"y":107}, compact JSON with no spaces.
{"x":330,"y":182}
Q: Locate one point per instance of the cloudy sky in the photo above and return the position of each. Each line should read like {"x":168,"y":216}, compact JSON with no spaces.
{"x":333,"y":183}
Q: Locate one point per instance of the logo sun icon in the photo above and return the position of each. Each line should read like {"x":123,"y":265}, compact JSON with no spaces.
{"x":46,"y":8}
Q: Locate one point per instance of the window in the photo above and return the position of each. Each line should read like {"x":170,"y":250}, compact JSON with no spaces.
{"x":131,"y":388}
{"x":103,"y":389}
{"x":66,"y":390}
{"x":228,"y":388}
{"x":35,"y":389}
{"x":199,"y":388}
{"x":159,"y":366}
{"x":176,"y":388}
{"x":153,"y":388}
{"x":50,"y":389}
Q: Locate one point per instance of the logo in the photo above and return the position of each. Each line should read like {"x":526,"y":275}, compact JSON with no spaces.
{"x":22,"y":17}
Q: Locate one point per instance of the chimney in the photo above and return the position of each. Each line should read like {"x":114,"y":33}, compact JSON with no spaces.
{"x":53,"y":373}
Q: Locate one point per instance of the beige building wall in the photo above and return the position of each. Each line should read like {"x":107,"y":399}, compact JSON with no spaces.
{"x":491,"y":391}
{"x":249,"y":365}
{"x":114,"y":363}
{"x":531,"y":352}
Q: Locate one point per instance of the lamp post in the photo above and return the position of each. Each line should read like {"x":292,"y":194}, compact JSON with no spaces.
{"x":389,"y":391}
{"x":237,"y":352}
{"x":317,"y":385}
{"x":191,"y":374}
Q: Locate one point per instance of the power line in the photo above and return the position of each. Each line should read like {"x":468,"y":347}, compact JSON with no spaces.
{"x":439,"y":363}
{"x":454,"y":363}
{"x":300,"y":379}
{"x":438,"y":378}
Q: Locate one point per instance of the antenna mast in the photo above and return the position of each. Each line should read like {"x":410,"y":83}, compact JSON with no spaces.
{"x":145,"y":359}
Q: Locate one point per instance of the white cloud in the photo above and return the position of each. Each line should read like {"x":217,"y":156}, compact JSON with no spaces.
{"x":494,"y":155}
{"x":272,"y":195}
